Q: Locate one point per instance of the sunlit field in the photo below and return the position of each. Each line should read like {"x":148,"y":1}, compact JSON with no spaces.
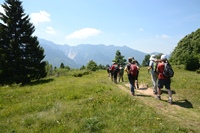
{"x":79,"y":101}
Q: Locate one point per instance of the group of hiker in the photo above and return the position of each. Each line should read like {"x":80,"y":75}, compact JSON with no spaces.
{"x":160,"y":71}
{"x":116,"y":72}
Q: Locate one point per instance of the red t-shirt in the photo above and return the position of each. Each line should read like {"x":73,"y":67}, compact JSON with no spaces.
{"x":160,"y":68}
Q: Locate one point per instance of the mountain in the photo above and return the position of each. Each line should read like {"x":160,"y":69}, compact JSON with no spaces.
{"x":77,"y":56}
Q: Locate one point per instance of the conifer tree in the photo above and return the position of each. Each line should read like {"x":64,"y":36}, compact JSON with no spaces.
{"x":119,"y":59}
{"x":21,"y":57}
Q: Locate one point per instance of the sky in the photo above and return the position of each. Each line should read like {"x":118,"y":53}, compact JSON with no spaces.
{"x":144,"y":25}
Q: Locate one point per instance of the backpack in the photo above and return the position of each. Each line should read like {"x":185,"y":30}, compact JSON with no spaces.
{"x":116,"y":69}
{"x":168,"y":71}
{"x":155,"y":65}
{"x":121,"y":71}
{"x":133,"y":70}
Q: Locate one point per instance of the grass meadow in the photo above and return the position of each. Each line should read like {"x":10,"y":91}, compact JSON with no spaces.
{"x":90,"y":102}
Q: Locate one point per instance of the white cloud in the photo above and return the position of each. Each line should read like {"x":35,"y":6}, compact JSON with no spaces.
{"x":50,"y":30}
{"x":165,"y":36}
{"x":162,"y":36}
{"x":83,"y":33}
{"x":141,"y":29}
{"x":40,"y":17}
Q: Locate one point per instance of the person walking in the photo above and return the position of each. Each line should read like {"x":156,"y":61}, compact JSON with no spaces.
{"x":114,"y":70}
{"x":162,"y":80}
{"x":108,"y":70}
{"x":136,"y":78}
{"x":121,"y":74}
{"x":153,"y":72}
{"x":131,"y":70}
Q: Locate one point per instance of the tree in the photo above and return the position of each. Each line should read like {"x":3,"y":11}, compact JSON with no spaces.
{"x":20,"y":54}
{"x":62,"y":65}
{"x":145,"y":62}
{"x":119,"y":59}
{"x":187,"y":51}
{"x":101,"y":67}
{"x":67,"y":67}
{"x":49,"y":68}
{"x":92,"y":66}
{"x":82,"y":68}
{"x":190,"y":61}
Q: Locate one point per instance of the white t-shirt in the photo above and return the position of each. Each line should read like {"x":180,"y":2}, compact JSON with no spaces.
{"x":151,"y":64}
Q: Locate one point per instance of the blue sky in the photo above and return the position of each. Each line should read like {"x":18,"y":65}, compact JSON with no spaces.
{"x":144,"y":25}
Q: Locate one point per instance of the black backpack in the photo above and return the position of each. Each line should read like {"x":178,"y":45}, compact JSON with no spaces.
{"x":168,"y":71}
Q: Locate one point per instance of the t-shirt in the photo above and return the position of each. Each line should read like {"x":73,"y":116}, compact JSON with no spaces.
{"x":151,"y":64}
{"x":161,"y":67}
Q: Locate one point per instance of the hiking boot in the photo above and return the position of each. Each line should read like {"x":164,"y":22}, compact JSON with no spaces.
{"x":138,"y":86}
{"x":155,"y":93}
{"x":158,"y":97}
{"x":170,"y":101}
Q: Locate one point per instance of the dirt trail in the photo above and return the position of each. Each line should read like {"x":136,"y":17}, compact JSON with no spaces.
{"x":142,"y":90}
{"x":181,"y":110}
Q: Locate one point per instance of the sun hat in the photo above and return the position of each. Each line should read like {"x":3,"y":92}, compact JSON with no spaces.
{"x":130,"y":58}
{"x":163,"y":57}
{"x":152,"y":57}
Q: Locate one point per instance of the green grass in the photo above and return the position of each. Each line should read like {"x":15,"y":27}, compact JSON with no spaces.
{"x":92,"y":103}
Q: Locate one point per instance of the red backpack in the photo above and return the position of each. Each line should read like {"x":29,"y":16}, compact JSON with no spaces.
{"x":133,"y":70}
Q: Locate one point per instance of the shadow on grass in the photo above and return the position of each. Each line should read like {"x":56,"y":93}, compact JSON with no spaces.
{"x":183,"y":103}
{"x":142,"y":95}
{"x":143,"y":88}
{"x":41,"y":81}
{"x":166,"y":92}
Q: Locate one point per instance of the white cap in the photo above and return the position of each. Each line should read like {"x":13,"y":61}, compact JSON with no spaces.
{"x":163,"y":57}
{"x":152,"y":57}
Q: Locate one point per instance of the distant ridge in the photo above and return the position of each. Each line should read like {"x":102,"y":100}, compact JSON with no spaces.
{"x":77,"y":56}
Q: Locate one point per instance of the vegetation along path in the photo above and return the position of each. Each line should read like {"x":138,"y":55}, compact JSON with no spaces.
{"x":179,"y":110}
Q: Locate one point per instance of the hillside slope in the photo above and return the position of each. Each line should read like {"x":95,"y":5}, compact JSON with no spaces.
{"x":77,"y":56}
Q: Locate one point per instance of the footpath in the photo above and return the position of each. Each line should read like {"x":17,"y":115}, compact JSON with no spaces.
{"x":142,"y":90}
{"x":181,"y":110}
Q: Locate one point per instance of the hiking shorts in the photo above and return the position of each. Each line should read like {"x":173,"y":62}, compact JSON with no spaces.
{"x":164,"y":82}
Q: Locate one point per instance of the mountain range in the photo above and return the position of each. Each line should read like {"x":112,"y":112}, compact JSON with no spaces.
{"x":77,"y":56}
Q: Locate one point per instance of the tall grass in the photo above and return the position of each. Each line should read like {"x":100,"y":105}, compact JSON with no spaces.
{"x":88,"y":103}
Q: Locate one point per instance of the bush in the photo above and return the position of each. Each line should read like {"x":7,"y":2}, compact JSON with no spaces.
{"x":198,"y":71}
{"x":192,"y":63}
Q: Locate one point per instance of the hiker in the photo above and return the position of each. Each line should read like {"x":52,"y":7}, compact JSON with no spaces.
{"x":108,"y":70}
{"x":136,"y":78}
{"x":115,"y":73}
{"x":131,"y":70}
{"x":121,"y":74}
{"x":162,"y":80}
{"x":114,"y":70}
{"x":154,"y":74}
{"x":111,"y":71}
